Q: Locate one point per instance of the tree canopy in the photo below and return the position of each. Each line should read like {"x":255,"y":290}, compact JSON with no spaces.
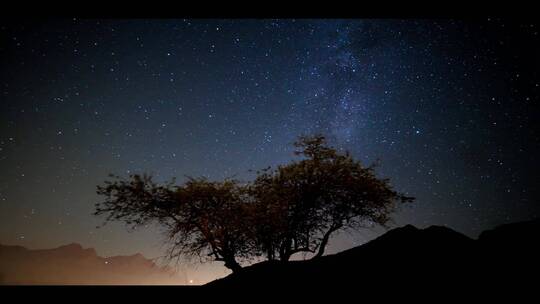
{"x":294,"y":208}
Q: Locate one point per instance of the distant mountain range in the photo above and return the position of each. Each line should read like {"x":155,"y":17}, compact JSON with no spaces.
{"x":410,"y":260}
{"x":72,"y":264}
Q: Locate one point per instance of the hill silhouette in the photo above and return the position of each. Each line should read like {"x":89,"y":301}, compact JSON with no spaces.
{"x":403,"y":261}
{"x":73,"y":265}
{"x":409,"y":259}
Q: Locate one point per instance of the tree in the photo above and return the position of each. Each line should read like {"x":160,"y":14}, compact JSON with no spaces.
{"x":294,"y":208}
{"x":301,"y":204}
{"x":201,"y":218}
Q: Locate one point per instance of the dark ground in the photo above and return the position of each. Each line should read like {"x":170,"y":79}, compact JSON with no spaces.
{"x":409,"y":259}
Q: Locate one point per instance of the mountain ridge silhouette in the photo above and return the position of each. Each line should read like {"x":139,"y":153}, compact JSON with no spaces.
{"x":72,"y":264}
{"x":407,"y":258}
{"x":403,"y":259}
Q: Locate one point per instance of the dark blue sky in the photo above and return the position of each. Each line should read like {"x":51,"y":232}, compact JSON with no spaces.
{"x":449,"y":107}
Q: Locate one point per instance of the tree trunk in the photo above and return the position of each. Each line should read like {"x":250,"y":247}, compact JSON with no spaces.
{"x":284,"y":257}
{"x":324,"y":241}
{"x":270,"y":254}
{"x":233,"y":265}
{"x":285,"y":250}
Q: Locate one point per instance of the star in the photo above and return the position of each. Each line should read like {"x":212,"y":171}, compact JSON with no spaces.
{"x":448,"y":106}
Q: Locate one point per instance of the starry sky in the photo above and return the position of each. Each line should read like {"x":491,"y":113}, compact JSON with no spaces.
{"x":449,"y":107}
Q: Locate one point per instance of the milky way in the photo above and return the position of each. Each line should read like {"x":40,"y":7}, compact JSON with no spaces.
{"x":450,"y":108}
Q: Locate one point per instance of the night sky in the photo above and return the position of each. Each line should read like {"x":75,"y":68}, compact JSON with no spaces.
{"x":449,"y":107}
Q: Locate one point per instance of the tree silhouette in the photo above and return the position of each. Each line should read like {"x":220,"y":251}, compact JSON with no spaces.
{"x":301,"y":204}
{"x":201,"y":218}
{"x":294,"y":208}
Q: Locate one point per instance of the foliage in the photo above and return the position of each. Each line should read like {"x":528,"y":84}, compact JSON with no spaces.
{"x":310,"y":199}
{"x":201,"y":218}
{"x":293,"y":208}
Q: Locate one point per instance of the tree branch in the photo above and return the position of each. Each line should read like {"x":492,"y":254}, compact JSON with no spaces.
{"x":325,"y":239}
{"x":306,"y":249}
